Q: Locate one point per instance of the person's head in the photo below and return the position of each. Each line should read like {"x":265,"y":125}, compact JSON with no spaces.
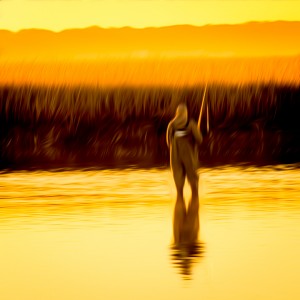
{"x":182,"y":110}
{"x":181,"y":117}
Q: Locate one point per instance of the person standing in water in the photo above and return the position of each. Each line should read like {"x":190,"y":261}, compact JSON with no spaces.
{"x":183,"y":136}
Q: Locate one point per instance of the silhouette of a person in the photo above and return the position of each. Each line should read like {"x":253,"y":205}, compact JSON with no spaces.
{"x":183,"y":136}
{"x":186,"y":248}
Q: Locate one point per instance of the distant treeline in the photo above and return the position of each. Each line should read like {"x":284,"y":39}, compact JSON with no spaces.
{"x":62,"y":126}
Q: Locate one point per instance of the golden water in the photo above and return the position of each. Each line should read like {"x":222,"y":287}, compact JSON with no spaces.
{"x":108,"y":234}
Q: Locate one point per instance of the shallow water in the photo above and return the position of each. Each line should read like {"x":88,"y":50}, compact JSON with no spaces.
{"x":108,"y":234}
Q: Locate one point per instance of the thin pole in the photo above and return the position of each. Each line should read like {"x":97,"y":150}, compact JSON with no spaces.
{"x":207,"y":118}
{"x":202,"y":106}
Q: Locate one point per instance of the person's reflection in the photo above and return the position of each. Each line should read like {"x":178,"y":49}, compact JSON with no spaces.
{"x":186,"y":248}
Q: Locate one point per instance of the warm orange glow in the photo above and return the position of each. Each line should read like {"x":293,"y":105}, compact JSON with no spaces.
{"x":94,"y":44}
{"x":59,"y":15}
{"x":178,"y":72}
{"x":178,"y":55}
{"x":77,"y":233}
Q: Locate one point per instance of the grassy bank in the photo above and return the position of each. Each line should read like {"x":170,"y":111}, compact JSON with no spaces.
{"x":70,"y":125}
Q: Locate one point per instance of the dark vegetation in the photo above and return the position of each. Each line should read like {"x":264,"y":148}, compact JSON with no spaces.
{"x":65,"y":126}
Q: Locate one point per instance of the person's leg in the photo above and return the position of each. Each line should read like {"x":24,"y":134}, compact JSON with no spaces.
{"x":194,"y":181}
{"x":190,"y":164}
{"x":179,"y":178}
{"x":192,"y":176}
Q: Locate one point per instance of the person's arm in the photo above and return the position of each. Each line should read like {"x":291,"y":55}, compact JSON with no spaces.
{"x":196,"y":132}
{"x":169,"y":134}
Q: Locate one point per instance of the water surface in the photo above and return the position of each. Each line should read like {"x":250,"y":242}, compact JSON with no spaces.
{"x":108,"y":234}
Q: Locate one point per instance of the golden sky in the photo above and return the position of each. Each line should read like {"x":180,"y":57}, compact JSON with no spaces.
{"x":58,"y":15}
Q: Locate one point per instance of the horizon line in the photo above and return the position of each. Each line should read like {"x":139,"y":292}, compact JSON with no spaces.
{"x":145,"y":28}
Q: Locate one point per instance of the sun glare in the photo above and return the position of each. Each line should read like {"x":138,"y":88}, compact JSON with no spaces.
{"x":59,"y":15}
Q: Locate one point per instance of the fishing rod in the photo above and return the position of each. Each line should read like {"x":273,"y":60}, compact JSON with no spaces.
{"x":201,"y":111}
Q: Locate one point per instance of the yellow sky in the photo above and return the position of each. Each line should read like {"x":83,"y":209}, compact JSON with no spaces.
{"x":58,"y":15}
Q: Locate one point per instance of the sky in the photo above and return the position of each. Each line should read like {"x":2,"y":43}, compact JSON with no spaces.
{"x":57,"y":15}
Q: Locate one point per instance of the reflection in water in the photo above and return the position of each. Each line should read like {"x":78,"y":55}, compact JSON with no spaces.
{"x":186,"y":248}
{"x":65,"y":235}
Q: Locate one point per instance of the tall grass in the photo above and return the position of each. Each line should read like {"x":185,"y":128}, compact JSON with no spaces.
{"x":66,"y":125}
{"x":188,"y":71}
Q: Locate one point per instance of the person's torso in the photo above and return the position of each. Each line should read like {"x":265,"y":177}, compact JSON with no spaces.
{"x":182,"y":131}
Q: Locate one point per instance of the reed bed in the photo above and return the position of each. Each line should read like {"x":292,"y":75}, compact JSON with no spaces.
{"x":120,"y":126}
{"x":177,"y":71}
